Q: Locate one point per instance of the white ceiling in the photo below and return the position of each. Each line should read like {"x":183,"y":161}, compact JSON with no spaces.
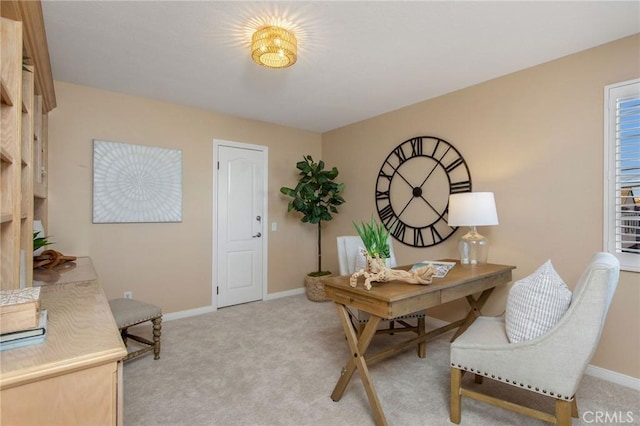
{"x":356,"y":59}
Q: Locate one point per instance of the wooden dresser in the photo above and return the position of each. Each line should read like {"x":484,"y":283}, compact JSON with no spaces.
{"x":74,"y":378}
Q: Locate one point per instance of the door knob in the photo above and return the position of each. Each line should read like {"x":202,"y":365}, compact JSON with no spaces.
{"x":258,"y":235}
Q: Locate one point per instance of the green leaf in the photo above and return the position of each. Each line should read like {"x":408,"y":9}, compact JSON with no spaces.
{"x":375,"y":237}
{"x":39,"y":242}
{"x":288,"y":191}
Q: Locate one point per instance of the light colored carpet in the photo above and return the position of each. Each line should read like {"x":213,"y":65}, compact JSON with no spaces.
{"x":276,"y":363}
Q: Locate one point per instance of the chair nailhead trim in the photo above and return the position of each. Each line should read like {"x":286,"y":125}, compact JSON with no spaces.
{"x":514,"y":382}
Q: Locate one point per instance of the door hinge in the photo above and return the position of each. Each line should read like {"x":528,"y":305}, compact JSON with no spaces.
{"x":217,"y":290}
{"x":218,"y":165}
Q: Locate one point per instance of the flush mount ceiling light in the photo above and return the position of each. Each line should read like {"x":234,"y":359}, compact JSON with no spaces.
{"x":274,"y":47}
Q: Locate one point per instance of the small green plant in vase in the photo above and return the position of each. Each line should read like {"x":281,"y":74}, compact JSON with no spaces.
{"x":375,"y":237}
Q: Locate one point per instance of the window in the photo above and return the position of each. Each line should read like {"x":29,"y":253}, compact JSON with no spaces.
{"x":622,"y":173}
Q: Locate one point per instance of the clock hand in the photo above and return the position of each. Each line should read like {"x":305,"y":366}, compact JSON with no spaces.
{"x":406,"y":205}
{"x":404,"y":179}
{"x":440,"y":216}
{"x":434,"y":167}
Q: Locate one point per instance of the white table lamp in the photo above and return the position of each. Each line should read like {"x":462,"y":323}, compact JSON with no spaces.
{"x":473,"y":209}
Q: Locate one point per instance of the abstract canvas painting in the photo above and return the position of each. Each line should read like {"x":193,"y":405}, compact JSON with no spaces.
{"x":136,"y":183}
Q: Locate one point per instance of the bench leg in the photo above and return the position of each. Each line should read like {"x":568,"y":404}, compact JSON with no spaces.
{"x":157,"y":330}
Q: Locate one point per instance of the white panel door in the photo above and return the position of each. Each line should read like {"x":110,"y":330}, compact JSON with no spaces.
{"x":240,"y":230}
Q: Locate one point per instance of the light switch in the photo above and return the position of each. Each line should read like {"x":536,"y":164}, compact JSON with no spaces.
{"x":274,"y":226}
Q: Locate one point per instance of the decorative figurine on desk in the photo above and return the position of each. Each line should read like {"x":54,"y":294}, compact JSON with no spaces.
{"x":377,"y":271}
{"x":51,"y":258}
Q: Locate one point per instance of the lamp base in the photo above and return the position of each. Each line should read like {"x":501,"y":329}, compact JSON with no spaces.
{"x":474,"y":248}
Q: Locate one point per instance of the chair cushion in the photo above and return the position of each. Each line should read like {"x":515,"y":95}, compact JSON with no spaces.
{"x":535,"y":304}
{"x":129,"y":312}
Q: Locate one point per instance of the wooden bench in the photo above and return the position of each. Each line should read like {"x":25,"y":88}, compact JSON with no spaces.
{"x":130,"y":312}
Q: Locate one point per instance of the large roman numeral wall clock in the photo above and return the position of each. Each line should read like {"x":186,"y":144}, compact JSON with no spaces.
{"x":413,"y":188}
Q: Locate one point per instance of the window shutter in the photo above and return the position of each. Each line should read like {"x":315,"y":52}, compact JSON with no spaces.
{"x":622,"y":165}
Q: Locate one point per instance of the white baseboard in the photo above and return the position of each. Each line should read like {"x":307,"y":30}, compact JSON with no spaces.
{"x":286,"y":293}
{"x":613,"y":377}
{"x":188,"y":313}
{"x":206,"y":309}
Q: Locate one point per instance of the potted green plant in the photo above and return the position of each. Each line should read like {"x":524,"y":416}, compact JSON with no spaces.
{"x":39,"y":242}
{"x":375,"y":238}
{"x":316,"y":196}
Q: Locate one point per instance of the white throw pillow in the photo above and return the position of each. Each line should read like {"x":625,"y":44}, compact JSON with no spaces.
{"x":535,"y":304}
{"x":361,"y":260}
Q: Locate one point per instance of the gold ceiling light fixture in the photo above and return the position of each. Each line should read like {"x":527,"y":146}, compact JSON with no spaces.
{"x":274,"y":47}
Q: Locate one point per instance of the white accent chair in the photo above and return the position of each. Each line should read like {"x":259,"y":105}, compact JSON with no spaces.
{"x":348,"y":249}
{"x":551,"y":364}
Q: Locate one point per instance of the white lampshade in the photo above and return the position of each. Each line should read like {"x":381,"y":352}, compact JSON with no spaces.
{"x":472,"y":209}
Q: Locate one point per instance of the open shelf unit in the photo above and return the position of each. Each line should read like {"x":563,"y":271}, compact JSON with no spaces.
{"x":26,"y":96}
{"x":11,"y":161}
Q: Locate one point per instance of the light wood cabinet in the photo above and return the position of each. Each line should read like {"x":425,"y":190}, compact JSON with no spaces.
{"x":26,"y":98}
{"x":74,"y":377}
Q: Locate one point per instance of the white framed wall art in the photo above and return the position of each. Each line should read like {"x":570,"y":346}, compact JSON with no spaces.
{"x":136,"y":183}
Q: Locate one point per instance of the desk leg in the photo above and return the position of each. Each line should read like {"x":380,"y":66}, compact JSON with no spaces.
{"x":474,"y":313}
{"x":422,"y":346}
{"x":358,"y":348}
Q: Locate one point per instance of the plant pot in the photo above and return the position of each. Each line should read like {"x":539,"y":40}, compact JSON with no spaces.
{"x":314,"y":288}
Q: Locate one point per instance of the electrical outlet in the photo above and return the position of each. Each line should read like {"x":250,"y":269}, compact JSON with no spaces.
{"x":128,"y":295}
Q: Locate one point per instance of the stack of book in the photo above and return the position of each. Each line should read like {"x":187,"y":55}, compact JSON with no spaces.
{"x":22,"y":322}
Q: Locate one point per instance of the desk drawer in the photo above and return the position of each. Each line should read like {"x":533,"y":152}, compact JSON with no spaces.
{"x":382,"y":308}
{"x":458,"y":292}
{"x":372,"y":306}
{"x":414,"y":304}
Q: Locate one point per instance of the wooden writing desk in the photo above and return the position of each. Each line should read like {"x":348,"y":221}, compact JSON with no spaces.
{"x":395,"y":298}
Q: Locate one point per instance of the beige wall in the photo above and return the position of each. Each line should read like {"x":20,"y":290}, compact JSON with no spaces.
{"x":168,"y":264}
{"x":534,"y":138}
